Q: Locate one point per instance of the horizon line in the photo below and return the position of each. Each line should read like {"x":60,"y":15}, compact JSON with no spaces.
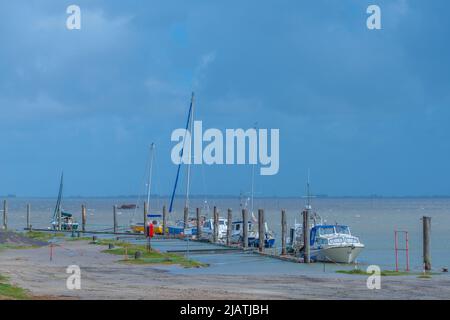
{"x":229,"y":196}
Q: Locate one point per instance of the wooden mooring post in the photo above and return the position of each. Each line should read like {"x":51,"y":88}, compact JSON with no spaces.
{"x":426,"y":243}
{"x":83,"y":218}
{"x":186,"y":216}
{"x":28,"y":217}
{"x":306,"y":246}
{"x":164,"y":219}
{"x":115,"y":218}
{"x":283,"y":232}
{"x":229,"y":226}
{"x":146,"y":210}
{"x":261,"y":231}
{"x":199,"y":224}
{"x":244,"y":228}
{"x":216,"y":225}
{"x":5,"y":214}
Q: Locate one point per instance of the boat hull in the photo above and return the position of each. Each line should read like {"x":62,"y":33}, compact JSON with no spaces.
{"x":66,"y":226}
{"x":174,"y":230}
{"x":140,"y":229}
{"x":338,"y":254}
{"x":268,"y":243}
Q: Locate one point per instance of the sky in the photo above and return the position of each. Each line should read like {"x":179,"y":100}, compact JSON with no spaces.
{"x":365,"y":111}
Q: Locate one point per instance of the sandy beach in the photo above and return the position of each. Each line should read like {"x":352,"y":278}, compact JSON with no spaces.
{"x":103,"y":277}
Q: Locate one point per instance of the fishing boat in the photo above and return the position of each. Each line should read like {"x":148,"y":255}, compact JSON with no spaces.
{"x":61,"y":219}
{"x":328,"y":243}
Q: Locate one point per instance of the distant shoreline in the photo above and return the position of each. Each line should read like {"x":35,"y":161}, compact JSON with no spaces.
{"x":227,"y":197}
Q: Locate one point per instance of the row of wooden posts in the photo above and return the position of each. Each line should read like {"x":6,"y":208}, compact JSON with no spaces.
{"x":244,"y":244}
{"x":261,"y":230}
{"x":215,"y":236}
{"x":5,"y":215}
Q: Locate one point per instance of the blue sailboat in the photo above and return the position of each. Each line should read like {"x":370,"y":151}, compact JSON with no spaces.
{"x":179,"y":227}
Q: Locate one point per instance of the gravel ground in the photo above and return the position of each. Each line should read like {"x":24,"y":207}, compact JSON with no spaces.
{"x":102,"y":277}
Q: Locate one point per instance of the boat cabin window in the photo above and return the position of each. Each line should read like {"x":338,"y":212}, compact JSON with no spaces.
{"x":221,"y":222}
{"x":238,"y":227}
{"x":326,"y":230}
{"x":342,"y":229}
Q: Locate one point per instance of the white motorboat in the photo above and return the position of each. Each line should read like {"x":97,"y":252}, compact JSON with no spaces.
{"x":328,"y":243}
{"x":208,"y":228}
{"x":334,"y":243}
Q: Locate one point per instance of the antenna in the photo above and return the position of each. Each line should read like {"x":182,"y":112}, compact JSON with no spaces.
{"x":308,"y":195}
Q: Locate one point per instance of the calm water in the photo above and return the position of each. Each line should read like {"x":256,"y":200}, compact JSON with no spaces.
{"x":373,"y":220}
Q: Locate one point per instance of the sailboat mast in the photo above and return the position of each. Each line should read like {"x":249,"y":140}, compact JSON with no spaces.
{"x":181,"y":156}
{"x":253,"y":179}
{"x":308,"y":194}
{"x":57,"y":212}
{"x":149,"y":182}
{"x":188,"y":179}
{"x":58,"y":201}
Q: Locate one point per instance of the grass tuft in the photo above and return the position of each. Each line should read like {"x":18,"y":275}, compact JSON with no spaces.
{"x":4,"y":246}
{"x":79,"y":239}
{"x":150,"y":257}
{"x":43,"y":236}
{"x":386,"y":273}
{"x":383,"y":272}
{"x":10,"y":292}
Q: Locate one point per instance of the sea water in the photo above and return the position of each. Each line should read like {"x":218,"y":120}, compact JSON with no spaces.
{"x":373,"y":220}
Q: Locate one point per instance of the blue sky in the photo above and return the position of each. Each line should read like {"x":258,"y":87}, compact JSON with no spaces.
{"x":366,"y":111}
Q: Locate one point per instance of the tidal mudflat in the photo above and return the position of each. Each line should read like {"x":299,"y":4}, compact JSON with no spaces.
{"x":249,"y":276}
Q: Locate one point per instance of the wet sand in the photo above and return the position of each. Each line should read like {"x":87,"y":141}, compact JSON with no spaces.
{"x":102,"y":277}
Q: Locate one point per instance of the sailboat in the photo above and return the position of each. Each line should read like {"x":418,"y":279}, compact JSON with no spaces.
{"x":155,"y":219}
{"x":61,"y":219}
{"x":179,"y":227}
{"x":328,"y":243}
